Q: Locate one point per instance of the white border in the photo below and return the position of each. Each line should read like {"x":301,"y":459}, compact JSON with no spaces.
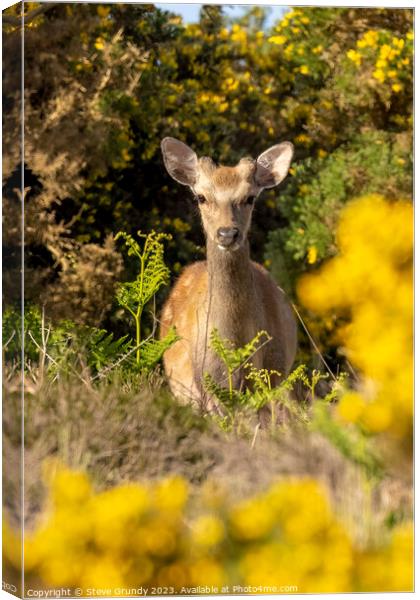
{"x":386,"y":4}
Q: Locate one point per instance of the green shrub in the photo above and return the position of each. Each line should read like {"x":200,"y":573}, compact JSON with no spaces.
{"x":320,"y":187}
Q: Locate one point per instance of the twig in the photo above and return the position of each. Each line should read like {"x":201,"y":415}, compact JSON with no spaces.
{"x":121,"y":359}
{"x":254,"y":439}
{"x":355,"y":375}
{"x":44,"y":343}
{"x":9,"y":340}
{"x":42,"y":350}
{"x":55,"y":362}
{"x":16,"y":21}
{"x":311,"y":339}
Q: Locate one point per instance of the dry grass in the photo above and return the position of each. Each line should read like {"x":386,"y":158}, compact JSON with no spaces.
{"x":135,"y":430}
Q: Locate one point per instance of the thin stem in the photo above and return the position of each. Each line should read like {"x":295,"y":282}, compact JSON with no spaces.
{"x":138,"y":337}
{"x":273,"y":415}
{"x":140,"y":307}
{"x":311,"y":339}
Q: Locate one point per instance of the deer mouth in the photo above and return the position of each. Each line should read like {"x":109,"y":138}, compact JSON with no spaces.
{"x":231,"y":248}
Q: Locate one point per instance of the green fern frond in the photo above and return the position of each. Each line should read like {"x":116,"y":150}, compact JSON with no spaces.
{"x":133,"y":246}
{"x":153,"y":350}
{"x":153,"y":274}
{"x":233,"y":357}
{"x":227,"y":399}
{"x":104,"y":349}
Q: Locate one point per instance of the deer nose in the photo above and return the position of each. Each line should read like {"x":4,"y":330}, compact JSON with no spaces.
{"x":226,"y":236}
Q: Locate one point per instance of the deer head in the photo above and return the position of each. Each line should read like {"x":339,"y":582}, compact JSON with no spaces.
{"x":226,"y":195}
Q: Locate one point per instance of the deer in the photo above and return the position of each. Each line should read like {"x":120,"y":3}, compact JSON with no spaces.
{"x":227,"y":291}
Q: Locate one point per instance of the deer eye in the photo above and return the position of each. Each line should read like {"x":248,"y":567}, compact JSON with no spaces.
{"x":250,"y":200}
{"x":200,"y":198}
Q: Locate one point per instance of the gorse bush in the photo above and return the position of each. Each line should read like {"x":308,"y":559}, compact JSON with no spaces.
{"x":319,"y":189}
{"x":370,"y":282}
{"x":354,"y":71}
{"x":151,"y":535}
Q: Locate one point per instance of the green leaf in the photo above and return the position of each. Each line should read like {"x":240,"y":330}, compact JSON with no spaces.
{"x":153,"y":350}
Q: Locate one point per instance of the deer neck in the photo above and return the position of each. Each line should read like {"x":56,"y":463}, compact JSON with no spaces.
{"x":231,"y":293}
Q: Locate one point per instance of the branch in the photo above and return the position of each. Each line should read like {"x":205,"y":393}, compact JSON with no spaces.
{"x":311,"y":339}
{"x":17,"y":21}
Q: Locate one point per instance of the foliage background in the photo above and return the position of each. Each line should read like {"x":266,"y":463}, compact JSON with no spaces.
{"x":105,"y":83}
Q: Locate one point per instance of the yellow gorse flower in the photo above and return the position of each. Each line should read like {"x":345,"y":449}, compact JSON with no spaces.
{"x":379,"y":75}
{"x":312,"y":255}
{"x":278,"y":39}
{"x":103,"y":10}
{"x":372,"y":278}
{"x":369,"y":39}
{"x":99,"y":43}
{"x":355,"y":56}
{"x":142,"y":535}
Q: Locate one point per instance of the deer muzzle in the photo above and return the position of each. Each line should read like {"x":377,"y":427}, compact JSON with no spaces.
{"x":227,"y":237}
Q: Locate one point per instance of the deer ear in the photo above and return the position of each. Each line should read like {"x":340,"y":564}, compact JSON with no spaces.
{"x":273,"y":164}
{"x":180,"y":161}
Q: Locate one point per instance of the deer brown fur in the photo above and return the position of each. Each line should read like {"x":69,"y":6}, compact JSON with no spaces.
{"x":228,"y":291}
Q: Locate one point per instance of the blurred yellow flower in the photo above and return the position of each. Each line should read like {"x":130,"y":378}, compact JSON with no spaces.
{"x":99,"y":43}
{"x":351,"y":407}
{"x":251,"y":520}
{"x":303,"y":138}
{"x":379,"y":75}
{"x":377,"y":416}
{"x":238,"y":34}
{"x":398,"y":42}
{"x":230,"y":84}
{"x":171,"y":494}
{"x":312,"y":255}
{"x":278,"y":39}
{"x":207,"y":530}
{"x":287,"y":533}
{"x":355,"y":56}
{"x":378,"y":340}
{"x":387,"y":52}
{"x":370,"y":38}
{"x":103,"y":10}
